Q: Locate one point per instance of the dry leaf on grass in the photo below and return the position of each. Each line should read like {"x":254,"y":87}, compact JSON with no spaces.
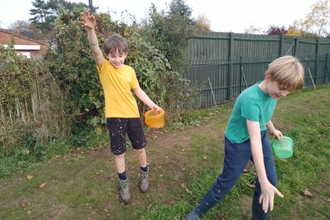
{"x":183,"y":186}
{"x":42,"y":185}
{"x":29,"y":177}
{"x":251,"y":185}
{"x":307,"y":193}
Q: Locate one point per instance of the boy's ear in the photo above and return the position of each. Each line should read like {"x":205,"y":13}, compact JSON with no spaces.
{"x":268,"y":76}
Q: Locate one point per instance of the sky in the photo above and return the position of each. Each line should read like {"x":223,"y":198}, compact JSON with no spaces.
{"x":224,"y":16}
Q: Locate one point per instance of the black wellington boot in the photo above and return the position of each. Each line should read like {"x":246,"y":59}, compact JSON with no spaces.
{"x":207,"y":202}
{"x":257,"y":212}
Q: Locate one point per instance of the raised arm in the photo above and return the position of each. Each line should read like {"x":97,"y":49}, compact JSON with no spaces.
{"x":92,"y":39}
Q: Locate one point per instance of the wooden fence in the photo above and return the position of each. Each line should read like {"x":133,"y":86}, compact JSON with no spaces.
{"x":40,"y":115}
{"x":223,"y":64}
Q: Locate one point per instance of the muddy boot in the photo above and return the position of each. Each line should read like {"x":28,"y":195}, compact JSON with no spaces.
{"x":207,"y":202}
{"x":144,"y":181}
{"x":257,"y":212}
{"x":124,"y":194}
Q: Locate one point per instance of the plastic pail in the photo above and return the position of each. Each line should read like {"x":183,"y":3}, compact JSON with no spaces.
{"x":282,"y":148}
{"x":154,"y":119}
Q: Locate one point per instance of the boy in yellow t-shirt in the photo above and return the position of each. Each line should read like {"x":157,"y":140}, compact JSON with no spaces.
{"x":121,"y":110}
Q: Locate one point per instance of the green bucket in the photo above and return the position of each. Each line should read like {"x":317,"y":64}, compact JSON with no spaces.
{"x":282,"y":148}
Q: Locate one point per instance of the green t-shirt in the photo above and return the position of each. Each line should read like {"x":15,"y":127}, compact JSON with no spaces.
{"x":252,"y":104}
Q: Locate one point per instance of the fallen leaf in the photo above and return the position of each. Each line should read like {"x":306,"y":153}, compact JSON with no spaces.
{"x":97,"y":173}
{"x":251,"y":185}
{"x":246,"y":170}
{"x":307,"y":193}
{"x":183,"y":186}
{"x":42,"y":185}
{"x":29,"y":177}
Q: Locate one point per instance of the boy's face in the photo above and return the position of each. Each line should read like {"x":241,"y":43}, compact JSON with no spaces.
{"x":116,"y":59}
{"x":275,"y":90}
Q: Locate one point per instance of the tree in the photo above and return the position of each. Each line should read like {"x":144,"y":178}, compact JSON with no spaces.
{"x":170,"y":31}
{"x":253,"y":30}
{"x":275,"y":30}
{"x":179,"y":7}
{"x":203,"y":23}
{"x":22,"y":25}
{"x":45,"y":13}
{"x":43,"y":18}
{"x":25,"y":29}
{"x":293,"y":31}
{"x":318,"y":20}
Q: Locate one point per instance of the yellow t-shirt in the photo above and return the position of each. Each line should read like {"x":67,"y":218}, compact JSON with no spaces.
{"x":117,"y":84}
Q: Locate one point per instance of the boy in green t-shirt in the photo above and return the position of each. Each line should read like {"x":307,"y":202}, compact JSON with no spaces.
{"x":121,"y":110}
{"x":246,"y":138}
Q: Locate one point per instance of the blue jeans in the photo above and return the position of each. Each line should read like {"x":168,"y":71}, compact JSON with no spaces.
{"x":236,"y":158}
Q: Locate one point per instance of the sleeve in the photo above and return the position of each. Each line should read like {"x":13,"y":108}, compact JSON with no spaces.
{"x":135,"y":82}
{"x":101,"y":67}
{"x":250,"y":110}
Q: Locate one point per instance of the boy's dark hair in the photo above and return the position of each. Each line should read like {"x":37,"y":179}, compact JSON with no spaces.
{"x":115,"y":43}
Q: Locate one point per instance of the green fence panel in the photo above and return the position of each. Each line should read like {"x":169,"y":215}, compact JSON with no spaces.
{"x":227,"y":63}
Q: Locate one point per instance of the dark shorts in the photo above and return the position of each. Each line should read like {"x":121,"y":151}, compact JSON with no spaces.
{"x":119,"y":127}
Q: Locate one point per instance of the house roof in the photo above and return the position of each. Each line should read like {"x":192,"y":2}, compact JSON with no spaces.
{"x":15,"y":34}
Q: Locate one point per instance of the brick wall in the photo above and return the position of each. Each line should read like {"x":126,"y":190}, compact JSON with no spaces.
{"x":20,"y":40}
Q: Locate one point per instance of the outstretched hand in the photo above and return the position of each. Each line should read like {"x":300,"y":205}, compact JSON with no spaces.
{"x":267,"y":197}
{"x":88,"y":19}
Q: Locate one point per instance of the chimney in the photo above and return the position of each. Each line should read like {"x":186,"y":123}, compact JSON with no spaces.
{"x":18,"y":31}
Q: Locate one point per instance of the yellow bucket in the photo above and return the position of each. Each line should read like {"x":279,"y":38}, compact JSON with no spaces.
{"x":154,"y":119}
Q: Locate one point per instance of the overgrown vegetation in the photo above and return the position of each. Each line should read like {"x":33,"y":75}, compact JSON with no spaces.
{"x":31,"y":108}
{"x":59,"y":100}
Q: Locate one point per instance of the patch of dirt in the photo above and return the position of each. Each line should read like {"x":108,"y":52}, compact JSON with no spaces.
{"x":85,"y":185}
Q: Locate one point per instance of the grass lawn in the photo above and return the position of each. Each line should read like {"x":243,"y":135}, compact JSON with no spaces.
{"x":184,"y":160}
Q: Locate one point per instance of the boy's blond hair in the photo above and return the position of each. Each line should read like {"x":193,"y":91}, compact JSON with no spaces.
{"x":288,"y":72}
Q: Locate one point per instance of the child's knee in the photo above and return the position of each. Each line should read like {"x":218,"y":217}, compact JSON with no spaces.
{"x":140,"y":151}
{"x":120,"y":156}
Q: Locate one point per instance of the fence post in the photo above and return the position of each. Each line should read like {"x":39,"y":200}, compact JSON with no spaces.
{"x":326,"y":69}
{"x":281,"y":45}
{"x":296,"y":46}
{"x":316,"y":63}
{"x":230,"y":67}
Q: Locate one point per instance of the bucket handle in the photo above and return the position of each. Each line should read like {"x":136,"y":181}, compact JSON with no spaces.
{"x":153,"y":122}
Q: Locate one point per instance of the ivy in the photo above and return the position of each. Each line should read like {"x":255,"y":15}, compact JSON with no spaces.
{"x":16,"y":75}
